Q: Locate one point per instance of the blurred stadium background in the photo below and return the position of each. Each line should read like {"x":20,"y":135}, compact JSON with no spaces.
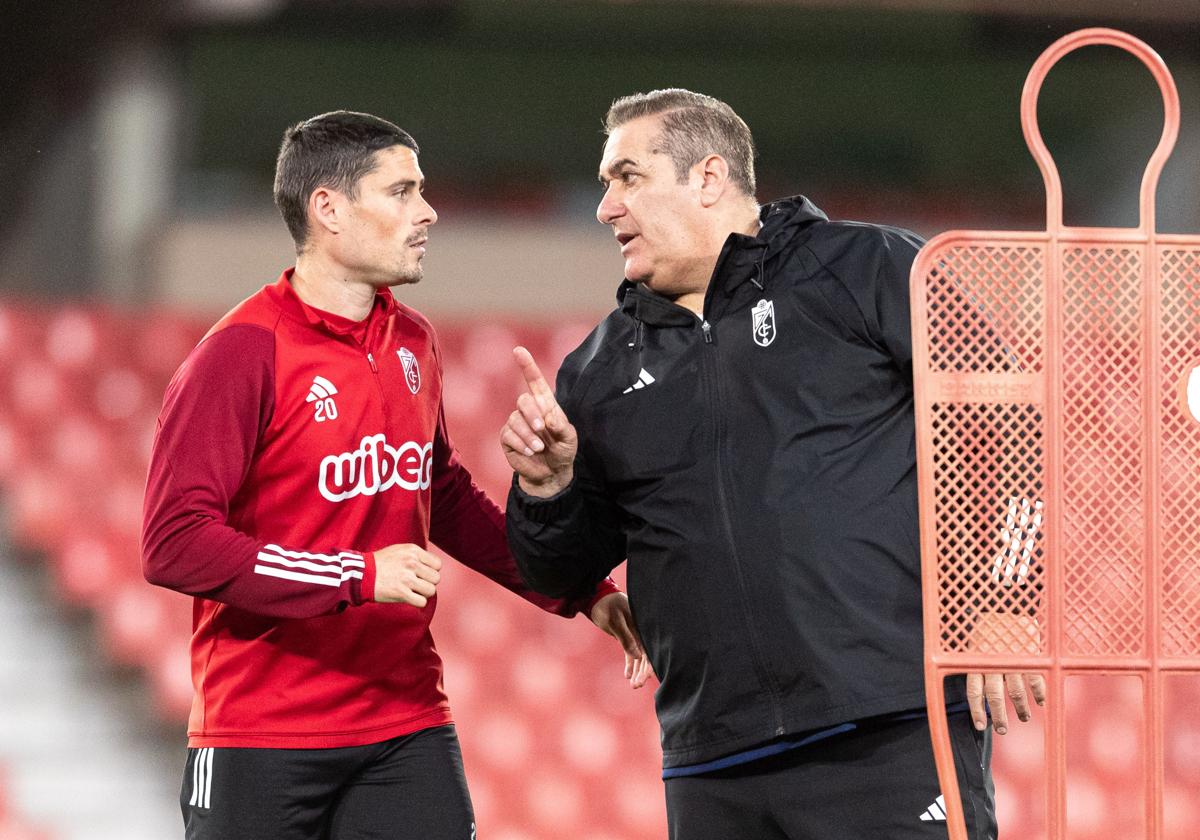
{"x":136,"y":152}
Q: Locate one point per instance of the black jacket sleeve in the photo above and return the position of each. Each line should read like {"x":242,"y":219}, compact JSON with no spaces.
{"x":566,"y":544}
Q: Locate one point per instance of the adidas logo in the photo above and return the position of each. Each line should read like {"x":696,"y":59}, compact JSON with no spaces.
{"x":322,"y":389}
{"x":935,"y":812}
{"x":321,"y":393}
{"x":644,"y":379}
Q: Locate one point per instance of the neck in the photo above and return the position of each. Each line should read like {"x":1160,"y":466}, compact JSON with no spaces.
{"x":326,"y":286}
{"x":746,"y":223}
{"x":693,"y":301}
{"x":749,"y":223}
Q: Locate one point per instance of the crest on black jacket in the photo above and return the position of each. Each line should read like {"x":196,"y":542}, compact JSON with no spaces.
{"x":763,"y":316}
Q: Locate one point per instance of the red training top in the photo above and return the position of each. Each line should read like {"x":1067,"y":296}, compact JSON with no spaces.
{"x":292,"y":443}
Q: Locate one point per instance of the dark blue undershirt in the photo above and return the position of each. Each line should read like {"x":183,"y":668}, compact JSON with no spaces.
{"x":776,"y":747}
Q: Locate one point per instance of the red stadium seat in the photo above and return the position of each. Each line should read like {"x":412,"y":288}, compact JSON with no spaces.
{"x":554,"y":802}
{"x":86,"y":569}
{"x":12,"y":824}
{"x":590,"y":743}
{"x":40,"y":507}
{"x":171,"y":678}
{"x":35,"y":388}
{"x":135,"y":627}
{"x":10,"y":457}
{"x":12,"y":829}
{"x":163,"y":340}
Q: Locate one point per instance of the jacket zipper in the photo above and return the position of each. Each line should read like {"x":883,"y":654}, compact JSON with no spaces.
{"x":712,"y":371}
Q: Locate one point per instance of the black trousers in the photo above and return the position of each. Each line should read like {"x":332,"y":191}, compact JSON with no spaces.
{"x":876,"y":783}
{"x":408,"y":788}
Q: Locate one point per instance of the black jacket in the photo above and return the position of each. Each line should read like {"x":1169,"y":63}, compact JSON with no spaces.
{"x":757,"y":468}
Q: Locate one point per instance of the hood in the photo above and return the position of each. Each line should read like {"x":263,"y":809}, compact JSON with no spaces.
{"x":785,"y":218}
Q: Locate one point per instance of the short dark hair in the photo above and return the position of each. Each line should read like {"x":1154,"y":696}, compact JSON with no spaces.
{"x":331,"y":150}
{"x":693,"y":126}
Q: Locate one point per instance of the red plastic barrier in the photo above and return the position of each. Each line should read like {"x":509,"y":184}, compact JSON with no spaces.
{"x":1059,"y":464}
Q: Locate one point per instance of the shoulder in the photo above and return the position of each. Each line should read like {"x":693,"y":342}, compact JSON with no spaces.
{"x":851,"y":261}
{"x":242,"y":339}
{"x":861,"y":245}
{"x":417,"y":320}
{"x":233,"y":355}
{"x":853,"y":273}
{"x":258,"y":310}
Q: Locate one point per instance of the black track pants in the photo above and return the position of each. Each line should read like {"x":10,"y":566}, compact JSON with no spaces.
{"x":876,"y":783}
{"x":408,"y":788}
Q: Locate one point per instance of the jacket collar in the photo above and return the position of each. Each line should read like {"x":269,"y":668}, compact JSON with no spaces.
{"x":651,"y":308}
{"x":285,"y":297}
{"x":742,"y":258}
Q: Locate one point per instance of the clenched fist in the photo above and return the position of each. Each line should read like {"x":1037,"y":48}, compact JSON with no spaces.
{"x":406,"y":574}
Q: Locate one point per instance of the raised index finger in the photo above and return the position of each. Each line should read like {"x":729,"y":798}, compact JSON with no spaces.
{"x":533,"y":375}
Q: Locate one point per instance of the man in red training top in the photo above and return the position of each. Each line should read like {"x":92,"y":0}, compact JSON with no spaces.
{"x":300,"y":470}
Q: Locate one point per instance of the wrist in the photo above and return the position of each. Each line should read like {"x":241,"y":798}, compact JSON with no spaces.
{"x":605,"y":588}
{"x":367,"y":589}
{"x":548,"y":487}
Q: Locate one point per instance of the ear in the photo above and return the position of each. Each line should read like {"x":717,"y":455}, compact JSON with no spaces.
{"x":713,"y":172}
{"x":326,"y":209}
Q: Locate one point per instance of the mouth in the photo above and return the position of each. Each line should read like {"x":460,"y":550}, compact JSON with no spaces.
{"x":624,"y":239}
{"x":419,"y":244}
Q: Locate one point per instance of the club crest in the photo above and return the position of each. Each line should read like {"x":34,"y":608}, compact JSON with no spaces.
{"x":763,"y":321}
{"x":412,"y":371}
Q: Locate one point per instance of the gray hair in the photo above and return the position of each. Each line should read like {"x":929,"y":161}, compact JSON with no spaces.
{"x":693,"y":127}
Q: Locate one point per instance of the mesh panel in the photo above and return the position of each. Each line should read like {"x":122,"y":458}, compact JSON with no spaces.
{"x":985,"y":331}
{"x":1180,"y":453}
{"x":985,"y":307}
{"x":988,"y":490}
{"x":1103,"y":464}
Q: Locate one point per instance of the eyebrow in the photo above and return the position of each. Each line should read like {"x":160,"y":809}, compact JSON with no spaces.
{"x":405,"y":182}
{"x":616,"y":166}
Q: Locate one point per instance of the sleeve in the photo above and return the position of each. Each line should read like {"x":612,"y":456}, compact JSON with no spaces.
{"x":214,"y":413}
{"x":469,"y":526}
{"x":889,"y":311}
{"x":565,"y":543}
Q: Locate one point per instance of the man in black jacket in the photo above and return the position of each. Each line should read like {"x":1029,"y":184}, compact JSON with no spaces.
{"x":741,"y":429}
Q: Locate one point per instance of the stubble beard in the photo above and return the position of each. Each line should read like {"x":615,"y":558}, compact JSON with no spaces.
{"x":412,"y":274}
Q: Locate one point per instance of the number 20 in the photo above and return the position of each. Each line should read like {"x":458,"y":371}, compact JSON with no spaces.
{"x":326,"y":410}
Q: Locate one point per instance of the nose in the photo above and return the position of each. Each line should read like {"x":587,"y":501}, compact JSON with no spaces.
{"x":610,"y":208}
{"x":427,"y":215}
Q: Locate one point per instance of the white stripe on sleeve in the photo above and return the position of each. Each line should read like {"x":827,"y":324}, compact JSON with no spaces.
{"x":309,"y":567}
{"x":331,"y":568}
{"x":329,"y":558}
{"x":271,"y":571}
